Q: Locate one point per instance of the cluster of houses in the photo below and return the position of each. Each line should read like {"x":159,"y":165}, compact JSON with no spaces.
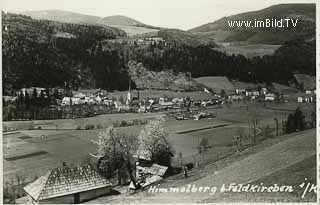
{"x":241,"y":94}
{"x":309,"y":96}
{"x":306,"y":83}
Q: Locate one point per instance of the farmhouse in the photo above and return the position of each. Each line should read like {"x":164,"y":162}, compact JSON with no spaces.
{"x":240,"y":91}
{"x":67,"y":185}
{"x":306,"y":99}
{"x":31,"y":89}
{"x":263,"y":91}
{"x":252,"y":93}
{"x":147,"y":175}
{"x":269,"y":97}
{"x":70,"y":101}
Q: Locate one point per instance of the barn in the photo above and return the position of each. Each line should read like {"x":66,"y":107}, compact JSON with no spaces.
{"x":67,"y":185}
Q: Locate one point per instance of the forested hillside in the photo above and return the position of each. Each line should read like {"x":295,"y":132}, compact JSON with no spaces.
{"x":305,"y":29}
{"x":47,"y":53}
{"x":50,"y":54}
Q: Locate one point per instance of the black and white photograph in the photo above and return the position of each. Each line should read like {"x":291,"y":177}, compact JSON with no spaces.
{"x":159,"y":101}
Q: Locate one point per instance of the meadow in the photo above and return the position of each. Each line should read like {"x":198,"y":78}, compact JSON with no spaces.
{"x":36,"y":151}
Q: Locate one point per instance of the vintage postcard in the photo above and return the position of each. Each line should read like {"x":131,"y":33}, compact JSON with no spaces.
{"x":159,"y":101}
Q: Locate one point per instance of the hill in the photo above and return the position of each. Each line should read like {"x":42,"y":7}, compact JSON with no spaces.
{"x":129,"y":25}
{"x":305,"y":29}
{"x":179,"y":37}
{"x":49,"y":53}
{"x":164,"y":80}
{"x":216,"y":83}
{"x":62,"y":16}
{"x":120,"y":20}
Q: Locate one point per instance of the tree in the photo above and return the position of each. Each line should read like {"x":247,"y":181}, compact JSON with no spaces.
{"x":290,"y":124}
{"x":204,"y":143}
{"x":223,"y":93}
{"x":299,"y":119}
{"x":115,"y":151}
{"x":154,"y":144}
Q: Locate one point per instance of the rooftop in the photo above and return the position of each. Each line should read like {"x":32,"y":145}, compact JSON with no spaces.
{"x":64,"y":181}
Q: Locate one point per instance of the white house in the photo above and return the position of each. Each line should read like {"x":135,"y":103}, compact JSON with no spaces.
{"x":252,"y":93}
{"x":269,"y":97}
{"x":263,"y":91}
{"x":240,"y":91}
{"x":306,"y":99}
{"x":308,"y":92}
{"x":70,"y":101}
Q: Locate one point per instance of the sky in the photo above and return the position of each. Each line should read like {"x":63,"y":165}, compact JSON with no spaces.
{"x":182,"y":14}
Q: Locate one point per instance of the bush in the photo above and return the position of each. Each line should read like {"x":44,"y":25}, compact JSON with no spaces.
{"x":99,"y":126}
{"x":124,"y":123}
{"x":39,"y":127}
{"x":204,"y":142}
{"x":78,"y":127}
{"x":89,"y":127}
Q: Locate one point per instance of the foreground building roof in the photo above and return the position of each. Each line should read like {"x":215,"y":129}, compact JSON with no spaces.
{"x":64,"y":181}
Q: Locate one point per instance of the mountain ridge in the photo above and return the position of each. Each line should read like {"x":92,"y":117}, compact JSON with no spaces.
{"x":220,"y":31}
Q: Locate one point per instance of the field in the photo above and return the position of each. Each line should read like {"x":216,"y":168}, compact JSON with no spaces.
{"x":249,"y":51}
{"x":31,"y":153}
{"x":136,"y":30}
{"x":216,"y":83}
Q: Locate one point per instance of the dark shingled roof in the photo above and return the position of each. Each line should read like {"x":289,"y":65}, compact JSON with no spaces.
{"x":65,"y":181}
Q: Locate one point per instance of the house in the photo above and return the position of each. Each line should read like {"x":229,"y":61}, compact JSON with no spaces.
{"x":147,"y":175}
{"x":306,"y":99}
{"x":252,"y":93}
{"x":240,"y":91}
{"x":308,"y":92}
{"x":269,"y":97}
{"x":263,"y":91}
{"x":9,"y":98}
{"x":79,"y":95}
{"x":119,"y":106}
{"x":70,"y":101}
{"x":67,"y":185}
{"x":235,"y":97}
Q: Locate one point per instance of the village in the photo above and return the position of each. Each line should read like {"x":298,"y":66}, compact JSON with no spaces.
{"x":133,"y":102}
{"x":212,"y":110}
